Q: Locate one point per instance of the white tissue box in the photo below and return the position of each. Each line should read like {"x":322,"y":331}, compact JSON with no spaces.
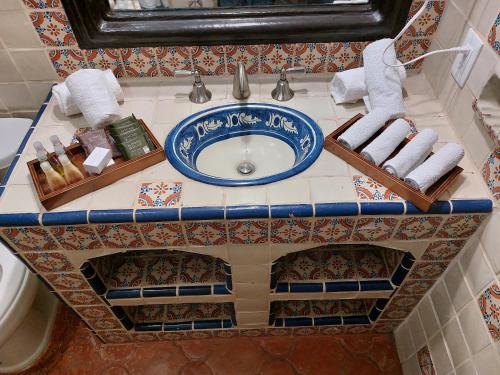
{"x":98,"y":159}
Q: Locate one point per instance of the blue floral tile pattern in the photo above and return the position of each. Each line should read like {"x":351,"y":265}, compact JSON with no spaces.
{"x":81,"y":297}
{"x":400,"y":307}
{"x":104,"y":324}
{"x":119,"y":236}
{"x":159,"y":194}
{"x":162,"y":270}
{"x":105,"y":58}
{"x":94,"y":312}
{"x":53,"y":28}
{"x":302,"y":266}
{"x":489,"y":303}
{"x":128,"y":272}
{"x":150,"y":313}
{"x":494,"y":37}
{"x":419,"y":227}
{"x":415,"y":287}
{"x":139,"y":62}
{"x":30,"y":239}
{"x":49,"y":262}
{"x":196,"y":269}
{"x":370,"y":264}
{"x":491,"y":172}
{"x":425,"y":362}
{"x":443,"y":250}
{"x":428,"y":22}
{"x":374,"y":229}
{"x":248,"y":232}
{"x":290,"y":230}
{"x":460,"y":226}
{"x":427,"y":270}
{"x":163,"y":234}
{"x":369,"y":189}
{"x":332,"y":230}
{"x":76,"y":237}
{"x":206,"y":233}
{"x":66,"y":281}
{"x":338,"y":265}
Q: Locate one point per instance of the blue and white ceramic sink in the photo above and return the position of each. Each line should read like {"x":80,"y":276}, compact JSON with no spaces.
{"x":244,"y":144}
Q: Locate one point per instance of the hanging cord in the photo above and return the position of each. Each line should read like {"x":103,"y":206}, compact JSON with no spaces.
{"x":463,"y":50}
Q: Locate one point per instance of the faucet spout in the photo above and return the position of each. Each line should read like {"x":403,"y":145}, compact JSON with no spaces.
{"x":241,"y":89}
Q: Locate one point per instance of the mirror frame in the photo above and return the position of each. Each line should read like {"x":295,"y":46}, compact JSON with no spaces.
{"x":95,"y":25}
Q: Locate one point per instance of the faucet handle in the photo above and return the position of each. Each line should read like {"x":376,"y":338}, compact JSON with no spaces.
{"x":200,"y":94}
{"x":296,"y":69}
{"x":283,"y":92}
{"x":184,"y":73}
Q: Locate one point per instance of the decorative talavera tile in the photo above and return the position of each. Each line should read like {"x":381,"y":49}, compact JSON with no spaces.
{"x":42,"y":4}
{"x":386,"y":326}
{"x":198,"y":335}
{"x":209,"y":60}
{"x":66,"y":281}
{"x":248,"y":55}
{"x":246,"y":232}
{"x":127,"y":272}
{"x":312,"y":56}
{"x":139,"y":62}
{"x":425,"y":362}
{"x":344,"y":56}
{"x":67,"y":61}
{"x":374,"y":229}
{"x":443,"y":250}
{"x":81,"y":297}
{"x":53,"y":28}
{"x":491,"y":173}
{"x":171,"y":59}
{"x":301,"y":266}
{"x":206,"y":233}
{"x":337,"y":265}
{"x":30,"y":238}
{"x":49,"y":262}
{"x":393,"y":258}
{"x":295,"y":308}
{"x":290,"y":230}
{"x":76,"y":237}
{"x":163,"y":234}
{"x":427,"y":23}
{"x":461,"y":226}
{"x":104,"y":324}
{"x":408,"y":49}
{"x":400,"y":306}
{"x":196,"y":269}
{"x":94,"y":312}
{"x":178,"y":312}
{"x":419,"y":227}
{"x":252,"y":332}
{"x":334,"y":229}
{"x":427,"y":270}
{"x":159,"y":194}
{"x":162,"y":270}
{"x":114,"y":337}
{"x":415,"y":287}
{"x":358,"y":328}
{"x":150,"y":313}
{"x":274,"y":57}
{"x":104,"y":59}
{"x":489,"y":303}
{"x":369,"y":189}
{"x":119,"y":236}
{"x":370,"y":264}
{"x":144,"y":337}
{"x":494,"y":37}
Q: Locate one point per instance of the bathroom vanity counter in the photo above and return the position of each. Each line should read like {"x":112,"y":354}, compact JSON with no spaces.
{"x":235,"y":248}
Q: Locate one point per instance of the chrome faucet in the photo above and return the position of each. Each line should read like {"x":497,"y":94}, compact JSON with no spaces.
{"x":283,"y":92}
{"x":241,"y":89}
{"x":199,"y":94}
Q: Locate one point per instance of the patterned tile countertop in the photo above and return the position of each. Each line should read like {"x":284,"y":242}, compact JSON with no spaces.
{"x":161,"y":104}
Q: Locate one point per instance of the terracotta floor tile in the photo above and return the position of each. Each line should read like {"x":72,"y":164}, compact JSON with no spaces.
{"x":75,"y":351}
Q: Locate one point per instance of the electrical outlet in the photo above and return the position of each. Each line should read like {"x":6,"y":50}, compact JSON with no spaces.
{"x":464,"y":63}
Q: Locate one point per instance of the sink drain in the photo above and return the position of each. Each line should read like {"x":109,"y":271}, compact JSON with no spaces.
{"x":245,"y":168}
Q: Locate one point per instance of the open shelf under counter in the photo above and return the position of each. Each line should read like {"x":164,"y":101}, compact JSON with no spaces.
{"x":159,"y":276}
{"x":339,"y":271}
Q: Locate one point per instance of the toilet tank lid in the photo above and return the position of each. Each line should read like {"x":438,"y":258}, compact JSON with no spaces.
{"x":13,"y":131}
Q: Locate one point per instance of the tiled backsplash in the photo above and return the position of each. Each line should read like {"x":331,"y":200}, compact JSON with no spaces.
{"x":455,"y":328}
{"x":38,"y":47}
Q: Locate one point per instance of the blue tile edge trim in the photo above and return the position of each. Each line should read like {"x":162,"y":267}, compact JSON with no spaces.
{"x":111,"y":216}
{"x":64,"y":218}
{"x":382,"y":208}
{"x":438,"y":207}
{"x":247,"y":212}
{"x":336,"y":209}
{"x":291,"y":211}
{"x":472,"y":206}
{"x":156,"y":215}
{"x":19,"y":219}
{"x":202,"y":213}
{"x":7,"y":175}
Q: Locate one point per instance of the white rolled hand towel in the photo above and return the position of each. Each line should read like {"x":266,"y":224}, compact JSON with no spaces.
{"x":383,"y":82}
{"x":364,"y":129}
{"x":67,"y":104}
{"x":94,"y":97}
{"x":349,"y":86}
{"x":413,"y":154}
{"x":385,"y":144}
{"x":428,"y":173}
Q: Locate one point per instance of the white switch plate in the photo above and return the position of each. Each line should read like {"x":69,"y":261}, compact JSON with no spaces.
{"x":463,"y":64}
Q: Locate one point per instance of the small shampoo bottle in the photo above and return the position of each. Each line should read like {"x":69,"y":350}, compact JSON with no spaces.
{"x":71,"y":173}
{"x":54,"y":179}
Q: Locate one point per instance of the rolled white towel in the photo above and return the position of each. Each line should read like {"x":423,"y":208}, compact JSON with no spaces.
{"x":365,"y":128}
{"x":349,"y":86}
{"x":383,"y":82}
{"x":94,"y":97}
{"x":67,"y":104}
{"x":384,"y":145}
{"x":428,"y":173}
{"x":413,"y":154}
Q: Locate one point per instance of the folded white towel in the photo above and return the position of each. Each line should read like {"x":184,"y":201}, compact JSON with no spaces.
{"x":413,"y":154}
{"x":383,"y":82}
{"x":94,"y":97}
{"x":428,"y":173}
{"x":385,"y":144}
{"x":349,"y":86}
{"x":365,"y":128}
{"x":68,"y":105}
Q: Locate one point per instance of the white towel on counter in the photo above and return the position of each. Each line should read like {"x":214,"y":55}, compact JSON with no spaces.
{"x":349,"y":86}
{"x":364,"y":129}
{"x":94,"y":97}
{"x":413,"y":154}
{"x":385,"y":144}
{"x":66,"y":102}
{"x":428,"y":173}
{"x":383,"y":82}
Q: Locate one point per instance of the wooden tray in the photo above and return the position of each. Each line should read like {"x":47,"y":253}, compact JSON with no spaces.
{"x":119,"y":170}
{"x":422,"y":200}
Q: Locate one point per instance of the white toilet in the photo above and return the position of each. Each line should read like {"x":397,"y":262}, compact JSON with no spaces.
{"x":27,"y":309}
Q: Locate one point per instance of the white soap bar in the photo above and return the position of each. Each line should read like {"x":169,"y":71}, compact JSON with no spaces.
{"x":98,"y":160}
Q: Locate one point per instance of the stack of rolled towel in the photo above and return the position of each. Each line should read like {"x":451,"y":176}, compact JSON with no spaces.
{"x":92,"y":92}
